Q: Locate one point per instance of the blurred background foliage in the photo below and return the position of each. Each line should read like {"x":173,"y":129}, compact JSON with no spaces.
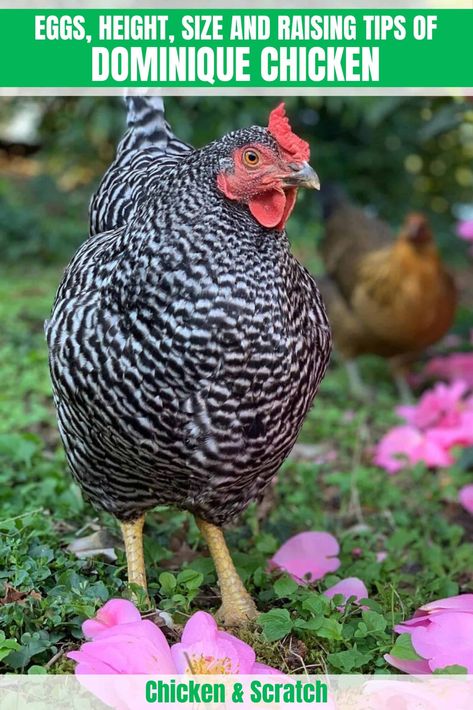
{"x":393,"y":154}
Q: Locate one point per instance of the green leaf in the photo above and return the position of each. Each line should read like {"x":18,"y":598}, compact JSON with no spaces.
{"x":276,"y":624}
{"x":37,"y":670}
{"x":350,"y":660}
{"x":316,"y":604}
{"x":404,"y":650}
{"x":168,"y":583}
{"x":375,"y":623}
{"x":330,"y":629}
{"x":310,"y":624}
{"x":7,"y":646}
{"x":285,"y":586}
{"x":452,"y":670}
{"x":190,"y":578}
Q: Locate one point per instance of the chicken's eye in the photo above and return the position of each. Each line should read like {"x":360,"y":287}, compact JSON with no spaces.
{"x":251,"y":158}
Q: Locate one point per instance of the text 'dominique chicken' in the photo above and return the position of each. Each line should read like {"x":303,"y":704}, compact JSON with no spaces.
{"x":186,"y":342}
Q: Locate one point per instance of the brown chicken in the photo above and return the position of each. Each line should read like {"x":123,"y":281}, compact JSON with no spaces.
{"x":388,"y":296}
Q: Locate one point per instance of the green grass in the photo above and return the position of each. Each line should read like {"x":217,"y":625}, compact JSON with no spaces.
{"x":46,"y":592}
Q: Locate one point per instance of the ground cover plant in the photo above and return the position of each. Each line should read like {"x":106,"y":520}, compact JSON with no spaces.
{"x":406,"y":536}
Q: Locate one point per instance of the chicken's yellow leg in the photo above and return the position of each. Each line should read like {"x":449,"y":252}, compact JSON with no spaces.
{"x":133,"y":538}
{"x":237,"y":605}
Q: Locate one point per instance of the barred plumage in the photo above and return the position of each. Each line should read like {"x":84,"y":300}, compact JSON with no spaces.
{"x":186,"y":344}
{"x":148,"y":140}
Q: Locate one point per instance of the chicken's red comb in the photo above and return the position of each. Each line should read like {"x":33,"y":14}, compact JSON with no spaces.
{"x":281,"y":130}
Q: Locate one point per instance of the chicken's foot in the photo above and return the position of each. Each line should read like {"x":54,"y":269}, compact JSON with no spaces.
{"x":133,"y":539}
{"x":237,"y":606}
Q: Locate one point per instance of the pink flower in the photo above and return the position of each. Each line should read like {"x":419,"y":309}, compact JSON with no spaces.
{"x":439,"y":406}
{"x":457,"y":366}
{"x":204,"y":649}
{"x":465,"y":497}
{"x":308,"y":556}
{"x":407,"y":445}
{"x":123,"y":643}
{"x":441,"y":420}
{"x":459,"y":434}
{"x":465,"y":229}
{"x":441,"y":634}
{"x":349,"y":587}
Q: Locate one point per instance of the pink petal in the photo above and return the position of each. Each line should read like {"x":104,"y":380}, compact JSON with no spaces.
{"x":240,"y":646}
{"x":465,"y":497}
{"x":212,"y":657}
{"x":447,"y":641}
{"x":437,"y":406}
{"x":431,"y":452}
{"x":460,"y":602}
{"x":395,"y":449}
{"x":210,"y":648}
{"x":407,"y":412}
{"x":405,"y":627}
{"x":405,"y":445}
{"x":420,"y":667}
{"x":126,"y":655}
{"x":200,"y":625}
{"x":308,"y":553}
{"x":89,"y":665}
{"x":138,"y":647}
{"x":137,"y":630}
{"x":451,"y":367}
{"x":115,"y":692}
{"x":459,"y":433}
{"x":350,"y":587}
{"x":114,"y":612}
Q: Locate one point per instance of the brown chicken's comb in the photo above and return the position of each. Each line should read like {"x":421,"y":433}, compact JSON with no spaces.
{"x":281,"y":130}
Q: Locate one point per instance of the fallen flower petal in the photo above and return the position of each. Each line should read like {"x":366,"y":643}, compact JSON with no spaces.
{"x":441,"y":635}
{"x":350,"y":587}
{"x":308,"y":556}
{"x":413,"y":667}
{"x":439,"y":406}
{"x":113,"y":613}
{"x":460,"y":602}
{"x":465,"y":497}
{"x":404,"y":445}
{"x":447,"y":641}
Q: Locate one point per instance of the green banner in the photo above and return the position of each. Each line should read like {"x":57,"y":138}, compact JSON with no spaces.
{"x":233,"y":48}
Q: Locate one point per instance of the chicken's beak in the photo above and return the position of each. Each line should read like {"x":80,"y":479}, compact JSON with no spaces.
{"x":302,"y":176}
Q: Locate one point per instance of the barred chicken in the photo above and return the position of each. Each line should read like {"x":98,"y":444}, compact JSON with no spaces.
{"x":186,"y":343}
{"x":388,"y":296}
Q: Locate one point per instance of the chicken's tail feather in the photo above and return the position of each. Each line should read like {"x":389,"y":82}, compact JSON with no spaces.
{"x":147,"y":127}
